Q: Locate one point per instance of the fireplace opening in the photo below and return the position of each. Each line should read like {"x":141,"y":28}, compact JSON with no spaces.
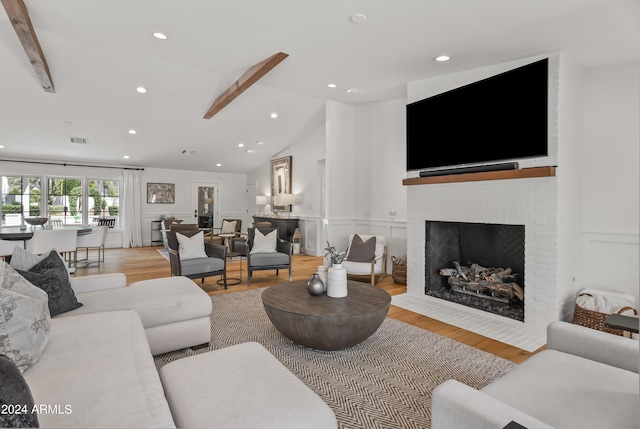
{"x":478,"y":265}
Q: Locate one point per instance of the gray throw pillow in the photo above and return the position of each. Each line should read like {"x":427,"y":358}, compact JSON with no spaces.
{"x":51,"y":276}
{"x":15,"y":398}
{"x":22,"y":259}
{"x":360,"y":251}
{"x":25,"y":322}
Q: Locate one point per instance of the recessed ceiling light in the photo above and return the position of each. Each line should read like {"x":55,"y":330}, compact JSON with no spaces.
{"x":259,"y":142}
{"x":159,"y":36}
{"x":357,"y":18}
{"x":126,"y":157}
{"x":274,"y":115}
{"x":349,"y":91}
{"x":133,"y":132}
{"x":332,"y":85}
{"x":442,"y":58}
{"x":240,"y":144}
{"x":141,"y":89}
{"x":249,"y":150}
{"x":218,"y":165}
{"x":1,"y":147}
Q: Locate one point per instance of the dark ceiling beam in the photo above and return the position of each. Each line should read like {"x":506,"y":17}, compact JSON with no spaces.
{"x":19,"y":17}
{"x":250,"y":77}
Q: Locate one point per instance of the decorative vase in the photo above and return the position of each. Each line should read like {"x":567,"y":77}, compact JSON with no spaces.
{"x":315,"y":286}
{"x":322,"y":273}
{"x":337,"y":278}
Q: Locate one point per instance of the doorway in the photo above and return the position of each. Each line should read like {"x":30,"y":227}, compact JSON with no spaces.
{"x":205,"y":197}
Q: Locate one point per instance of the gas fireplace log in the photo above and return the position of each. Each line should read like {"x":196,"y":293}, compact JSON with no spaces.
{"x":505,"y":290}
{"x":518,"y":291}
{"x":447,"y":272}
{"x":459,"y":270}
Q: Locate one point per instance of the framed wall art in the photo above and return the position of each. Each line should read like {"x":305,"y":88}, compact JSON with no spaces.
{"x":161,"y":193}
{"x":281,"y":184}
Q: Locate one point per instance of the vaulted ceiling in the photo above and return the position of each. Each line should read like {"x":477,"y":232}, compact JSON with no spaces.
{"x":98,"y":52}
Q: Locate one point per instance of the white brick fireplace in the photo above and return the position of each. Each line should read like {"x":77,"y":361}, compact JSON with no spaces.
{"x":548,"y":207}
{"x":532,"y":202}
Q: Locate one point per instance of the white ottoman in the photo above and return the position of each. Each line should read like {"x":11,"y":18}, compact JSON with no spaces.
{"x":175,"y":312}
{"x":242,"y":386}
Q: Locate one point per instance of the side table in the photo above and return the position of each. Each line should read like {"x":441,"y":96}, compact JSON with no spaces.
{"x":620,"y":321}
{"x":233,"y":280}
{"x":227,"y":240}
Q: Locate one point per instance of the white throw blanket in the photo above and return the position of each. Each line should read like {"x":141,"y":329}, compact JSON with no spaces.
{"x":604,"y":302}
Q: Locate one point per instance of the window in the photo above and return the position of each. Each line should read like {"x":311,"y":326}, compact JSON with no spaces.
{"x":104,"y":200}
{"x":66,"y":200}
{"x":21,"y":196}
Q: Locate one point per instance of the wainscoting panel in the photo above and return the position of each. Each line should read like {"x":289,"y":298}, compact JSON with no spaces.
{"x":610,"y":261}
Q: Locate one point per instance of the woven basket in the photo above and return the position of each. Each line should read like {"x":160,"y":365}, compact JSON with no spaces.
{"x":399,"y":271}
{"x":595,"y":320}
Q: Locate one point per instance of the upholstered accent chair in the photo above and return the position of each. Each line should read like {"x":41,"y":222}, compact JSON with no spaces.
{"x":211,"y":262}
{"x":265,"y":251}
{"x":229,"y":226}
{"x":366,"y":259}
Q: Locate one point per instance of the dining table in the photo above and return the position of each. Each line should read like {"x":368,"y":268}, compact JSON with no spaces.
{"x":15,"y":232}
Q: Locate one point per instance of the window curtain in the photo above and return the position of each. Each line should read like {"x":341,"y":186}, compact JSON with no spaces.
{"x":131,"y":209}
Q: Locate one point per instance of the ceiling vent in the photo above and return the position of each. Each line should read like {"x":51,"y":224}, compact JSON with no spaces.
{"x":78,"y":140}
{"x":187,"y":152}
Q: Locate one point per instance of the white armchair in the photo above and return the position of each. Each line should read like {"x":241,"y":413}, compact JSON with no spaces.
{"x":361,"y":263}
{"x":583,"y":379}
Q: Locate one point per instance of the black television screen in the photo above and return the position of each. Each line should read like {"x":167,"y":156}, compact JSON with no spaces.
{"x":503,"y":117}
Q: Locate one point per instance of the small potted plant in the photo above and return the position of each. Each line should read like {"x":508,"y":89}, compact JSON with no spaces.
{"x":337,"y":276}
{"x":336,"y":257}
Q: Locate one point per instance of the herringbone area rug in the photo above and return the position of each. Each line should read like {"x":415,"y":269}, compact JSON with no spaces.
{"x":384,"y":382}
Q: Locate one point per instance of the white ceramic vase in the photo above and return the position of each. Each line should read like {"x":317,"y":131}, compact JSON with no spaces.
{"x":337,"y":278}
{"x":322,"y":273}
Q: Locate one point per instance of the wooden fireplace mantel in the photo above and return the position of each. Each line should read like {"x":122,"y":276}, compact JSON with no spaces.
{"x":524,"y":173}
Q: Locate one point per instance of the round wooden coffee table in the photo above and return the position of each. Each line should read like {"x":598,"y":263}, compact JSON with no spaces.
{"x":322,"y":322}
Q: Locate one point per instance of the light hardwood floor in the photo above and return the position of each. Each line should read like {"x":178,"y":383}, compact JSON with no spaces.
{"x":146,"y":263}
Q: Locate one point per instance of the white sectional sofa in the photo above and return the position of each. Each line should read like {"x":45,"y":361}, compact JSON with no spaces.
{"x":584,"y":379}
{"x":175,"y":312}
{"x":97,"y":369}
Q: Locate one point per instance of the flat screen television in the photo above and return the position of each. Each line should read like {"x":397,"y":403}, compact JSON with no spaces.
{"x":503,"y":117}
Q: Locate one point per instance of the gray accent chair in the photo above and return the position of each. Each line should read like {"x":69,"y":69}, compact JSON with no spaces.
{"x":214,"y":265}
{"x":165,"y":227}
{"x":281,"y":259}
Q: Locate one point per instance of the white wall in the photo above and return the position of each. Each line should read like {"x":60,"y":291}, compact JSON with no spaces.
{"x":305,"y":182}
{"x":361,"y":150}
{"x":230,"y":200}
{"x":610,"y":202}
